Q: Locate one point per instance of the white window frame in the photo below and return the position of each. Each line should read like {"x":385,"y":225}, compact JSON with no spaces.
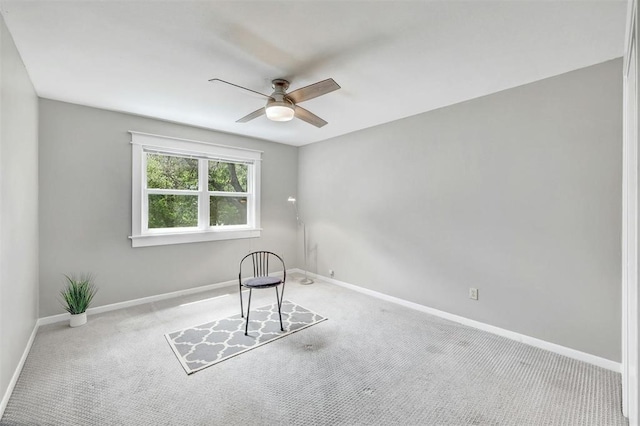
{"x":142,"y":236}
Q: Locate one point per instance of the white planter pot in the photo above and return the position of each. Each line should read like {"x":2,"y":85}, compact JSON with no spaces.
{"x":78,"y":319}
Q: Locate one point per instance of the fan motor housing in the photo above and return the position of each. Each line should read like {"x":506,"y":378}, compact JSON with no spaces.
{"x":280,"y":83}
{"x":279,"y":90}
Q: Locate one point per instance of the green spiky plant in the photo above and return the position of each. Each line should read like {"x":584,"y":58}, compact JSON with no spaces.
{"x":78,"y":294}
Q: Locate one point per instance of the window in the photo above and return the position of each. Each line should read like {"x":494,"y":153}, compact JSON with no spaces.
{"x":187,"y":191}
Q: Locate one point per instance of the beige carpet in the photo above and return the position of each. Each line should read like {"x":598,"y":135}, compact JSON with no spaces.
{"x":374,"y":362}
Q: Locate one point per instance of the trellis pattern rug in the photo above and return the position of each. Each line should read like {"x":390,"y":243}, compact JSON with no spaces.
{"x":207,"y":344}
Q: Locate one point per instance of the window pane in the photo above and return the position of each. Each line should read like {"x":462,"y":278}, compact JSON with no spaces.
{"x":227,"y":211}
{"x":228,"y":177}
{"x":169,"y":172}
{"x":172,"y":211}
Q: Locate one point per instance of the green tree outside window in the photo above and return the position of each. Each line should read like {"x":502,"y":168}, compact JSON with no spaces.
{"x":180,"y":173}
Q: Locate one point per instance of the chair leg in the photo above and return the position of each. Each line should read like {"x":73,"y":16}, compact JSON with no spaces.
{"x":246,"y":325}
{"x":282,"y":294}
{"x":241,"y":308}
{"x":279,"y":310}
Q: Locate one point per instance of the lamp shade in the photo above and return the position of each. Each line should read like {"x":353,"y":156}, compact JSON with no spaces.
{"x":279,"y":111}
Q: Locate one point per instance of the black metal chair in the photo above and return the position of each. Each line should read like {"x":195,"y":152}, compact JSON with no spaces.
{"x":261,"y":279}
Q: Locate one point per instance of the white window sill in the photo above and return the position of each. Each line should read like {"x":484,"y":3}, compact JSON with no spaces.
{"x":158,"y":239}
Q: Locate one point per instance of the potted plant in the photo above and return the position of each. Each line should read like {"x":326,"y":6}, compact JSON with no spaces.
{"x":76,"y":297}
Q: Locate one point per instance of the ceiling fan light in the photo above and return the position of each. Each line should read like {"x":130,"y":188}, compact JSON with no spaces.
{"x":279,"y":111}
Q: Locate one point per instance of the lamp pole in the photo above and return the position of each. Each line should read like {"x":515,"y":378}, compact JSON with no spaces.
{"x":306,"y":279}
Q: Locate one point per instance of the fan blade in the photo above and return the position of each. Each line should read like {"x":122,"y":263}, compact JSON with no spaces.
{"x":309,"y":117}
{"x":255,"y":114}
{"x":240,"y":87}
{"x":313,"y":91}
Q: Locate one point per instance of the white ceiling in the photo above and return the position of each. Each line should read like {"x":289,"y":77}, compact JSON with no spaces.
{"x":393,"y":59}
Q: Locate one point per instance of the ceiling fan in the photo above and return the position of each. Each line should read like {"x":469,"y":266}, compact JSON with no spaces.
{"x":283,"y":106}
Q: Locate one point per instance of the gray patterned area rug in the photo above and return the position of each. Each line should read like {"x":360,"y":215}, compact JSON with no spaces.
{"x":207,"y":344}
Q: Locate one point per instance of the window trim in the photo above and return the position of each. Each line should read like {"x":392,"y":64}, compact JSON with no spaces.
{"x":146,"y":142}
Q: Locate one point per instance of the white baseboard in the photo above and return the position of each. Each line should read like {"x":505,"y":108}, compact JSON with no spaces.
{"x":120,"y":305}
{"x":538,"y":343}
{"x":128,"y":303}
{"x":18,"y":370}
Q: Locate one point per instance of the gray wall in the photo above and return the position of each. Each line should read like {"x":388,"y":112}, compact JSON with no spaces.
{"x":18,"y":208}
{"x":85,"y":208}
{"x":517,"y":193}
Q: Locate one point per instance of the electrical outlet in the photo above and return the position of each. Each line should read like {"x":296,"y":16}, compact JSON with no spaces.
{"x":473,"y":293}
{"x":331,"y":273}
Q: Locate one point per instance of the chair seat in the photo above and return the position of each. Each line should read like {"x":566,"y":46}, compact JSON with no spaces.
{"x":262,"y":282}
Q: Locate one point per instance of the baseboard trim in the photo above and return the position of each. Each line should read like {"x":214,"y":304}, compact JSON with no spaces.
{"x":532,"y":341}
{"x":149,"y":299}
{"x":18,"y":370}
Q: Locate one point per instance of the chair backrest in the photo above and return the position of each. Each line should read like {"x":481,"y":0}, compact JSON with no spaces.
{"x":260,"y":261}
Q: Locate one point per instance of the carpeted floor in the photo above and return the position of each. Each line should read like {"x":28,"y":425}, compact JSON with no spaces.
{"x":372,"y":362}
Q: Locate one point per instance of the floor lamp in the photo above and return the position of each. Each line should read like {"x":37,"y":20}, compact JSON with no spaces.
{"x":306,"y":279}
